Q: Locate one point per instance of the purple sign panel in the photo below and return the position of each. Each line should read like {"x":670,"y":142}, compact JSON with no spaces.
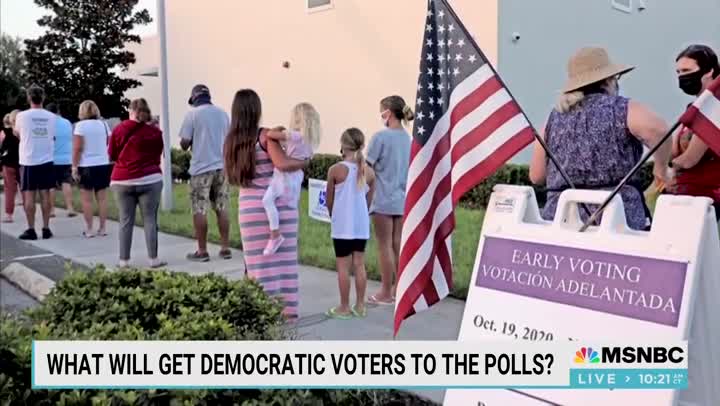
{"x":630,"y":286}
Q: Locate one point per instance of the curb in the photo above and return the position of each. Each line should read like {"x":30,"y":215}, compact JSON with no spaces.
{"x":29,"y":281}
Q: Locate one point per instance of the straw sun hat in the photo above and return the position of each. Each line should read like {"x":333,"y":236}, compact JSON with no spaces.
{"x":590,"y":65}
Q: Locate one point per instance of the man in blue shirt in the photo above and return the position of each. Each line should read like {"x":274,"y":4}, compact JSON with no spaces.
{"x":62,"y":160}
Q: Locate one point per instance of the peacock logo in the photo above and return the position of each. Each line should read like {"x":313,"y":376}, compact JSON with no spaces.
{"x":587,"y":356}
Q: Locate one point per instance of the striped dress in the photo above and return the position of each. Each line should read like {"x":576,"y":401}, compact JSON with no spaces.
{"x":278,"y":273}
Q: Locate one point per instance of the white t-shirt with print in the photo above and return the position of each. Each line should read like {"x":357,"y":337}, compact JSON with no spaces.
{"x":95,"y":134}
{"x":36,"y":129}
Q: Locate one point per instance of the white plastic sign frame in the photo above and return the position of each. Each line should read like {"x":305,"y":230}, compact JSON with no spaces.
{"x":317,"y":208}
{"x":679,"y":259}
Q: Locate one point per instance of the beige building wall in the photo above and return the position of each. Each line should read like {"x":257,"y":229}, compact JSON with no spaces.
{"x":147,"y":56}
{"x":343,"y":60}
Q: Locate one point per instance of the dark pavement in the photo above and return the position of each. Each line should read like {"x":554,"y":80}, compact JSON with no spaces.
{"x":41,"y":261}
{"x":12,"y":299}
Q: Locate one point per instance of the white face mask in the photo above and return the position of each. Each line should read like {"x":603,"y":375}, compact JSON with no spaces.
{"x":383,"y":120}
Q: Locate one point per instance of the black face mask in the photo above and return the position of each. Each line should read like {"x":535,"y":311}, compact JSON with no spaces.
{"x":691,"y":83}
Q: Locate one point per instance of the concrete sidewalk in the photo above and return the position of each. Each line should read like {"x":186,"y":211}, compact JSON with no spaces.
{"x":318,"y":287}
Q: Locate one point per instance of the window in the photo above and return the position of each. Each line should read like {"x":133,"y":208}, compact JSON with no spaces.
{"x":623,"y":5}
{"x":318,"y":5}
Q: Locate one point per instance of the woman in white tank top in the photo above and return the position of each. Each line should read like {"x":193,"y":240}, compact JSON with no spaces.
{"x":350,"y":187}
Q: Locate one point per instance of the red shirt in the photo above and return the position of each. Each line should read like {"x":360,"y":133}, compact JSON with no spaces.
{"x":702,"y":179}
{"x":136,"y":149}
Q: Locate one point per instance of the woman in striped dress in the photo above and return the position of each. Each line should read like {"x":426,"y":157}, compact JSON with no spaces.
{"x":250,"y":157}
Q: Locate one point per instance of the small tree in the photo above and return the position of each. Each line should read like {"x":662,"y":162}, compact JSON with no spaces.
{"x":83,"y":51}
{"x":12,"y":72}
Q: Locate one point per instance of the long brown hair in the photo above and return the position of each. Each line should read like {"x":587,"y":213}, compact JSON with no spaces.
{"x":353,"y":140}
{"x":240,"y":142}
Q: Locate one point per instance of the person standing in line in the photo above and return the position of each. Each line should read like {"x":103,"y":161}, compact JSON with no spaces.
{"x":91,"y":165}
{"x":36,"y":129}
{"x":136,"y":147}
{"x":62,"y":161}
{"x":203,"y":131}
{"x":697,"y":167}
{"x":251,"y":154}
{"x":9,"y":160}
{"x":350,"y":187}
{"x":389,"y":156}
{"x":597,"y":136}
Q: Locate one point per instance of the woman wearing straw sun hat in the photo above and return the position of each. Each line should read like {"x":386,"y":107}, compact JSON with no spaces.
{"x":597,"y":136}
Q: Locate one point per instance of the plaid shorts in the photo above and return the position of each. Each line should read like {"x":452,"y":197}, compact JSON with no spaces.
{"x":209,"y":187}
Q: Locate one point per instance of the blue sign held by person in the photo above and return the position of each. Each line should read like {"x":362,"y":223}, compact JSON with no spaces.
{"x":317,"y":199}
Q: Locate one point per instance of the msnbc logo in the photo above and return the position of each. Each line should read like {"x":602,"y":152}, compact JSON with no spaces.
{"x":587,"y":355}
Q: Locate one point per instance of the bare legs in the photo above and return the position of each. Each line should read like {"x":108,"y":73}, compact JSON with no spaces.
{"x":387,"y":232}
{"x":86,"y":197}
{"x":356,"y":261}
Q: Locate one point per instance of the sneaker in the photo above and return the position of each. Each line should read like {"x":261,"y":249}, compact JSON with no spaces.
{"x":198,"y":257}
{"x":46,"y":234}
{"x":273,"y":245}
{"x":225,"y":254}
{"x":29,"y":234}
{"x":157,"y":263}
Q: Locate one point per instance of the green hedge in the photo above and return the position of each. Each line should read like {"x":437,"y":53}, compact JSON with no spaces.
{"x":477,"y":198}
{"x":155,"y":305}
{"x":319,"y":166}
{"x":180,"y":161}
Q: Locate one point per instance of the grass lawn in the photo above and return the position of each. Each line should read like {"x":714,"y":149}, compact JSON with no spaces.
{"x":315,"y":245}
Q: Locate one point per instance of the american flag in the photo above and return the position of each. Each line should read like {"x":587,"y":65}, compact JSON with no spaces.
{"x":467,"y":126}
{"x":703,"y":116}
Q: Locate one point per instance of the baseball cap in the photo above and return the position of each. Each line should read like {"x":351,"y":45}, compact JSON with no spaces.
{"x":198,"y":90}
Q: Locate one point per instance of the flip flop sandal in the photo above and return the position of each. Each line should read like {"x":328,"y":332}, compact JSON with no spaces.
{"x":333,"y":314}
{"x":359,"y":314}
{"x":374,"y":300}
{"x":88,"y":234}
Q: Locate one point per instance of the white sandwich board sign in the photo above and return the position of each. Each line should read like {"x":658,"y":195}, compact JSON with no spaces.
{"x":537,"y":280}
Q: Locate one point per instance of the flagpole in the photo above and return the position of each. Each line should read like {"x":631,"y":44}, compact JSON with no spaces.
{"x":627,"y":177}
{"x":538,"y":138}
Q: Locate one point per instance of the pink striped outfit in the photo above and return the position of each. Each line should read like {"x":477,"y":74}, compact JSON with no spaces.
{"x":277,"y":273}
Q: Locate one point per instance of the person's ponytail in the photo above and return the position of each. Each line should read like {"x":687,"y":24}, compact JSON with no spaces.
{"x":360,"y":161}
{"x":353,"y":140}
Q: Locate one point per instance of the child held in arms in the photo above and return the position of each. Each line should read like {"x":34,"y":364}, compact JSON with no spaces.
{"x":302,"y":138}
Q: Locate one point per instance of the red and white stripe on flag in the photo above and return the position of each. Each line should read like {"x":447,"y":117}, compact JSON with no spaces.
{"x":482,"y":128}
{"x":703,"y":116}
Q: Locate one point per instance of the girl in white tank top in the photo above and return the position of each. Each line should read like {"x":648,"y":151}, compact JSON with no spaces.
{"x":350,"y":187}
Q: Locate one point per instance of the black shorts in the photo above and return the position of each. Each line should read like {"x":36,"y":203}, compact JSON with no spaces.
{"x":95,"y":177}
{"x":37,"y":177}
{"x":345,"y":248}
{"x":63,"y":174}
